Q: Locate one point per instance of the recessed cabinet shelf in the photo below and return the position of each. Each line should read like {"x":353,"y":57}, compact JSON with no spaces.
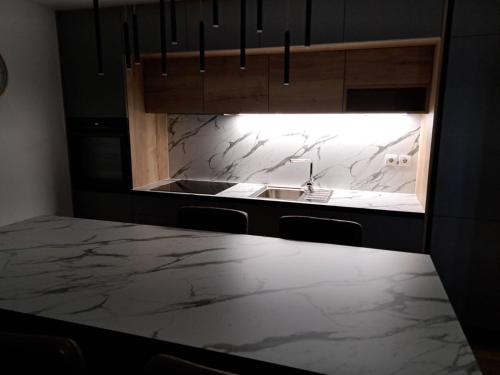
{"x":351,"y":77}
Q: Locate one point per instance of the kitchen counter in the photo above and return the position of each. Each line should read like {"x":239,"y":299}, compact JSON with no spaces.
{"x":324,"y":308}
{"x":372,"y":200}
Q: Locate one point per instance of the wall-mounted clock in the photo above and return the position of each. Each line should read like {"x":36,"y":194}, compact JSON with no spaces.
{"x":3,"y":76}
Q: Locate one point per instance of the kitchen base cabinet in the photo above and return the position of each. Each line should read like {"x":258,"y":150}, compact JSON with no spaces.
{"x":381,"y":229}
{"x":103,"y":206}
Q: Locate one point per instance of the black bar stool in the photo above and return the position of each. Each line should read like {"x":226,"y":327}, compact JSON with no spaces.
{"x":39,"y":354}
{"x":316,"y":229}
{"x":213,"y":219}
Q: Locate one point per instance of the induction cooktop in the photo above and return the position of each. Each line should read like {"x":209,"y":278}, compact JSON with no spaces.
{"x":195,"y":187}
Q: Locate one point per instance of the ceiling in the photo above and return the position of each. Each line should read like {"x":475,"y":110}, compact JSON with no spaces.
{"x":80,"y":4}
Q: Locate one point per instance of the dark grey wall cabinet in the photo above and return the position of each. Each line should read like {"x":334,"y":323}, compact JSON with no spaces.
{"x":392,"y":19}
{"x":466,"y":216}
{"x":328,"y":16}
{"x":468,"y":179}
{"x":479,"y":17}
{"x":86,"y":94}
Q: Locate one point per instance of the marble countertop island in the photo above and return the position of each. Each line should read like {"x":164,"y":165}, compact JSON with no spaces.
{"x":324,"y":308}
{"x":372,"y":200}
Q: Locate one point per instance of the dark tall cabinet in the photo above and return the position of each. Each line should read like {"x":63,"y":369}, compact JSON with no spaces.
{"x":465,"y":243}
{"x":86,"y":94}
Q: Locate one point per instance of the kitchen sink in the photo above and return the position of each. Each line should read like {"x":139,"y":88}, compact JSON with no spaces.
{"x":295,"y":194}
{"x":289,"y":194}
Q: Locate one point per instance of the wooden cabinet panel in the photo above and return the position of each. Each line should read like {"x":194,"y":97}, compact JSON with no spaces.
{"x":181,"y":91}
{"x":228,"y":89}
{"x":316,"y":83}
{"x":380,"y":67}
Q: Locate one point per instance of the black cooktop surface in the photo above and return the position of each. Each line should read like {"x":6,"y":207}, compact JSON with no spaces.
{"x":195,"y":187}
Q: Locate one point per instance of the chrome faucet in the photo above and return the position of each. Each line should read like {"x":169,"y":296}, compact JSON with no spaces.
{"x":310,"y":180}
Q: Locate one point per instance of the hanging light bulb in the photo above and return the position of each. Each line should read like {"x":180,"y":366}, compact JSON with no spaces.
{"x":307,"y":38}
{"x":173,"y":22}
{"x":98,"y":37}
{"x":243,"y":18}
{"x":260,"y":28}
{"x":215,"y":13}
{"x":126,"y":40}
{"x":163,"y":39}
{"x":135,"y":29}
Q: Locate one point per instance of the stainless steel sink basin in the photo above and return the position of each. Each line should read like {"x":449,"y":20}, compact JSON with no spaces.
{"x":295,"y":194}
{"x":290,"y":194}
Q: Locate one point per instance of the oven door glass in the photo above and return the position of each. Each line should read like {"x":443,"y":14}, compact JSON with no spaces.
{"x":100,"y":162}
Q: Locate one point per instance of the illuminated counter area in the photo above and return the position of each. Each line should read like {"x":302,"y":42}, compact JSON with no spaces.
{"x":361,"y":157}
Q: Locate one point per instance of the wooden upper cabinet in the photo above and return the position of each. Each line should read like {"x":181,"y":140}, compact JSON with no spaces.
{"x":388,"y":79}
{"x":228,"y":89}
{"x":316,"y":83}
{"x":181,"y":91}
{"x":406,"y":66}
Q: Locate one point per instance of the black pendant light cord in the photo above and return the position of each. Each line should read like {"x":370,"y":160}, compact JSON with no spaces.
{"x":286,"y":62}
{"x":163,"y":39}
{"x":126,"y":39}
{"x":215,"y":13}
{"x":286,"y":67}
{"x":98,"y":37}
{"x":202,"y":40}
{"x":135,"y":28}
{"x":260,"y":26}
{"x":243,"y":36}
{"x":307,"y":36}
{"x":173,"y":22}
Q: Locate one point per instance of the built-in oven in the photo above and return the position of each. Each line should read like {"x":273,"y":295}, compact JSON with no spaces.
{"x":99,"y":151}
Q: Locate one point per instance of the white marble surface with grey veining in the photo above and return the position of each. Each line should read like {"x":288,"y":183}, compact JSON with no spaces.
{"x":348,"y":150}
{"x":373,"y":200}
{"x":324,"y":308}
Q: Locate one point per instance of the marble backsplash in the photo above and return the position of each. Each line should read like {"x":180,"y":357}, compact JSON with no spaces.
{"x":348,"y":150}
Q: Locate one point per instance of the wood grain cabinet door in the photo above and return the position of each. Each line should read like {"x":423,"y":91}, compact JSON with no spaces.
{"x":316,"y":83}
{"x":388,"y":79}
{"x":228,"y":89}
{"x":181,"y":91}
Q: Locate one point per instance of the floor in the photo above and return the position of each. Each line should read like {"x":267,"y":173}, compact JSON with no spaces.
{"x":489,"y":360}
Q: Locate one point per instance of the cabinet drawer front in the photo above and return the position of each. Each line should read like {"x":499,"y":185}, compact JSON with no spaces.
{"x":179,"y":92}
{"x":228,"y":89}
{"x":404,"y":66}
{"x":316,"y":83}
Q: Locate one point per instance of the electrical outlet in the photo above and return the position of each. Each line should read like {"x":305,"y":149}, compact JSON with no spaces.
{"x":391,"y":160}
{"x":404,"y":160}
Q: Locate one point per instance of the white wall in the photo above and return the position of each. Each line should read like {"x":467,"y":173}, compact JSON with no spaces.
{"x":34,"y":175}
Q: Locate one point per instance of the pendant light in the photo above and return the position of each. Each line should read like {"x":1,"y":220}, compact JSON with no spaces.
{"x":126,"y":40}
{"x":286,"y":62}
{"x":215,"y":13}
{"x":202,"y":40}
{"x":307,"y":39}
{"x":98,"y":37}
{"x":135,"y":29}
{"x":163,"y":39}
{"x":173,"y":22}
{"x":260,"y":28}
{"x":243,"y":58}
{"x":286,"y":70}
